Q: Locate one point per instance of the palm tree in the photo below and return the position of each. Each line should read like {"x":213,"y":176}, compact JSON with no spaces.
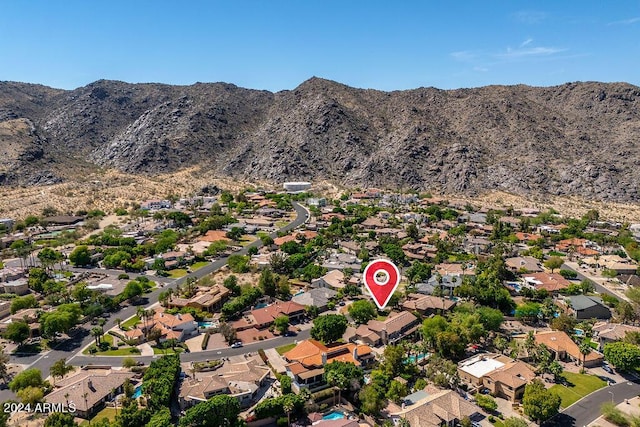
{"x":585,"y":349}
{"x":97,"y":333}
{"x":118,"y":321}
{"x":288,"y":408}
{"x":102,"y":322}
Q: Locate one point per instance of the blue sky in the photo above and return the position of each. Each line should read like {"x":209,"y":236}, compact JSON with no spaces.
{"x":276,"y":45}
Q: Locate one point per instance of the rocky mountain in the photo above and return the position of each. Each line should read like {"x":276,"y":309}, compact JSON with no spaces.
{"x":578,"y":138}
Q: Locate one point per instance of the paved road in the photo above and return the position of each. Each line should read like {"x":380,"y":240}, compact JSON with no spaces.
{"x":587,"y":410}
{"x":83,"y":338}
{"x":199,"y":356}
{"x":599,"y":288}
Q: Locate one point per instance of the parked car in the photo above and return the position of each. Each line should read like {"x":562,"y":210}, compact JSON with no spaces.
{"x":236,"y":345}
{"x":607,"y":368}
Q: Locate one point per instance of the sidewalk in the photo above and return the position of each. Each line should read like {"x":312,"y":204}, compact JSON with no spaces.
{"x":276,"y":360}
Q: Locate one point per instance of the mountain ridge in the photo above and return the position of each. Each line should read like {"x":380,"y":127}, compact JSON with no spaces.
{"x":575,"y":139}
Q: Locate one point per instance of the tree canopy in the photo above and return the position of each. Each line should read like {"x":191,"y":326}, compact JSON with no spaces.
{"x":329,"y":327}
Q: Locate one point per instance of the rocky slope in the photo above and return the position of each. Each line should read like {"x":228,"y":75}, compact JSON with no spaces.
{"x":578,"y":138}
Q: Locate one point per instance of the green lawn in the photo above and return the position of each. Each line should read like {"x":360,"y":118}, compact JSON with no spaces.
{"x":281,"y":224}
{"x":130,"y":323}
{"x":167,"y":351}
{"x":177,"y":273}
{"x":284,"y":348}
{"x":581,"y":385}
{"x":197,"y":265}
{"x":122,"y":351}
{"x":109,"y":413}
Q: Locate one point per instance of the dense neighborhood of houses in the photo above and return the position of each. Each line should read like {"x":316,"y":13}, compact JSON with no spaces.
{"x":498,"y":312}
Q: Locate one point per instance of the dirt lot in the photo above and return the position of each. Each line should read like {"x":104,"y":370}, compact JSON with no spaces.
{"x":108,"y":190}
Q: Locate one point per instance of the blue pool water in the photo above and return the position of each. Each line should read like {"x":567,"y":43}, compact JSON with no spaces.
{"x":333,"y":415}
{"x":420,"y":357}
{"x":262,"y":305}
{"x":578,"y":332}
{"x":299,"y":293}
{"x":205,"y":324}
{"x":138,"y":392}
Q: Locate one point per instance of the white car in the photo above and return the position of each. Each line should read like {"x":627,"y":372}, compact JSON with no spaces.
{"x":236,"y":345}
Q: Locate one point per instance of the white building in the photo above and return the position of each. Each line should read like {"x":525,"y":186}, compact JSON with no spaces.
{"x":295,"y":187}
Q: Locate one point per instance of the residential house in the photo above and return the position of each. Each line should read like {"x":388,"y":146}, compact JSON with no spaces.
{"x":240,"y":380}
{"x":5,"y":309}
{"x":17,"y":287}
{"x":209,"y":299}
{"x":318,"y":297}
{"x":349,"y":247}
{"x":563,"y":348}
{"x":264,"y":317}
{"x":28,"y":315}
{"x":8,"y":274}
{"x":334,"y":279}
{"x":587,"y":307}
{"x":552,"y":282}
{"x":178,"y":326}
{"x":447,"y":283}
{"x":392,"y":329}
{"x":524,"y":264}
{"x":427,"y":305}
{"x":89,"y":389}
{"x":605,"y":332}
{"x":432,"y":408}
{"x":527,"y":237}
{"x":306,"y":361}
{"x":504,"y":377}
{"x":153,"y":205}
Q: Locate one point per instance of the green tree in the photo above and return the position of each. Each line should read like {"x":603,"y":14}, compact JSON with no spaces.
{"x":133,"y":290}
{"x":60,"y":320}
{"x":623,"y":355}
{"x":394,"y":356}
{"x":553,"y":263}
{"x":60,"y":419}
{"x":268,"y":282}
{"x":431,"y":327}
{"x":28,"y":378}
{"x":239,"y":263}
{"x":49,"y":257}
{"x":486,"y":402}
{"x":281,"y":323}
{"x":30,"y":395}
{"x":161,"y":419}
{"x":221,"y":410}
{"x":329,"y":327}
{"x":371,"y":400}
{"x":490,"y":318}
{"x":17,"y":332}
{"x":418,"y":272}
{"x":20,"y":303}
{"x":362,"y":311}
{"x":80,"y":256}
{"x":60,"y":369}
{"x":539,"y":403}
{"x":397,"y":391}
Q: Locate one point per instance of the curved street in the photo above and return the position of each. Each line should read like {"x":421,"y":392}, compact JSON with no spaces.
{"x":69,"y":348}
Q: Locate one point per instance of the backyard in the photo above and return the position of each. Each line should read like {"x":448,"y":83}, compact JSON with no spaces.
{"x":579,"y":385}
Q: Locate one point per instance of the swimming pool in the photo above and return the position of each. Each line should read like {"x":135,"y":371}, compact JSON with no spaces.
{"x":334,"y":415}
{"x":206,"y":325}
{"x":419,"y":358}
{"x":262,"y":305}
{"x":138,"y":392}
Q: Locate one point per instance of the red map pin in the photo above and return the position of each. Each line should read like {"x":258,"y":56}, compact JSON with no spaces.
{"x":381,"y":277}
